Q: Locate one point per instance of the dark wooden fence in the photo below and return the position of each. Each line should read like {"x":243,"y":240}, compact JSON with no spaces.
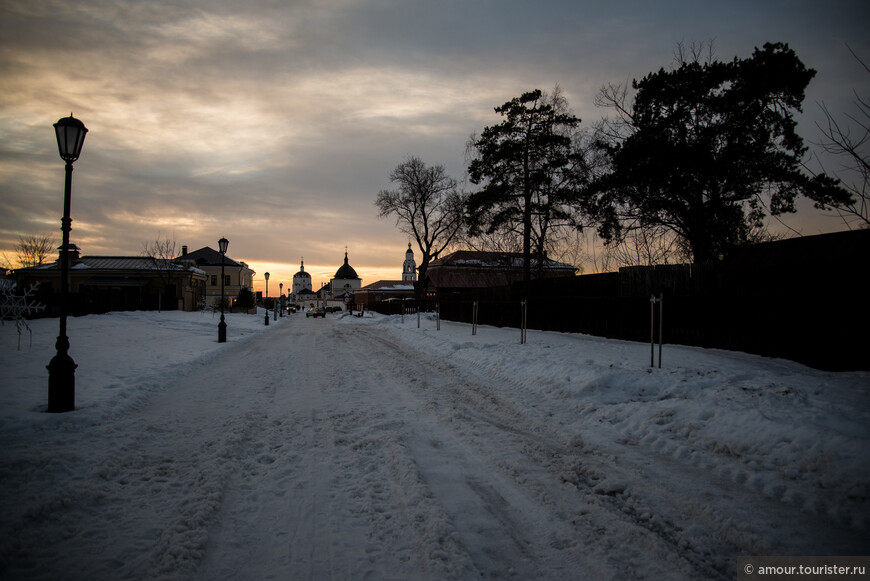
{"x":802,"y":299}
{"x":774,"y":328}
{"x":820,"y":322}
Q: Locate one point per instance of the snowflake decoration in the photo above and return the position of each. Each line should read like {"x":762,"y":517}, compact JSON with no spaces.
{"x":17,"y":307}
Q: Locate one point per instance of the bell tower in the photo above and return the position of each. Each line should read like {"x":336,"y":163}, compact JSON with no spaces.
{"x":409,"y":268}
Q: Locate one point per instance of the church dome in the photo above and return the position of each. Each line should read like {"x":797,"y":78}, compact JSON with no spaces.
{"x":302,"y":273}
{"x":346,"y":271}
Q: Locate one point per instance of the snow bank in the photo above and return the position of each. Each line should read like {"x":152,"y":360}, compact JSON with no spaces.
{"x":121,"y":357}
{"x":785,"y":430}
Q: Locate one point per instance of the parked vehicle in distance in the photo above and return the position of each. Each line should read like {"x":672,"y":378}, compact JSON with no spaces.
{"x":316,"y":312}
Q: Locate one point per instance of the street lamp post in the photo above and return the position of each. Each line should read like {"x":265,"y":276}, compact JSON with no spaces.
{"x":70,"y":134}
{"x":266,"y":300}
{"x":281,"y":296}
{"x":223,"y":243}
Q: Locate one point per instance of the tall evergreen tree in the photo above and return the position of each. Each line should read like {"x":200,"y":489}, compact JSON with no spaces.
{"x":711,"y":150}
{"x":529,"y":170}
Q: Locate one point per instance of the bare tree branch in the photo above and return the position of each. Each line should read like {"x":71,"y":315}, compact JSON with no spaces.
{"x":34,"y":249}
{"x":428,"y":207}
{"x":849,"y":141}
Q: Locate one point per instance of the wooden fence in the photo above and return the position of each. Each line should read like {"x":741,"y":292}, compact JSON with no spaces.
{"x":775,"y":328}
{"x":817,"y":319}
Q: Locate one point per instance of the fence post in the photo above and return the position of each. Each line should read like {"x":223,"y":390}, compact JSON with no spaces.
{"x":652,"y":329}
{"x":661,"y":324}
{"x":523,"y":311}
{"x":418,"y":316}
{"x":438,"y":316}
{"x":474,"y":318}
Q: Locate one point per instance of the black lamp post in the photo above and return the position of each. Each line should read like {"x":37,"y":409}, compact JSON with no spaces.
{"x":61,"y":370}
{"x":281,"y":296}
{"x":267,"y":289}
{"x":222,"y":326}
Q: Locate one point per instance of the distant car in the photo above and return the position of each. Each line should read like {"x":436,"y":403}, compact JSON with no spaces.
{"x":316,"y":312}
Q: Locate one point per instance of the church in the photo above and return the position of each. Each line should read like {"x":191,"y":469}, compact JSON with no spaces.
{"x":301,"y":289}
{"x":345,"y":282}
{"x":385,"y":290}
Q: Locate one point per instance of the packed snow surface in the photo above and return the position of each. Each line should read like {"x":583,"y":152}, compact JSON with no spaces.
{"x":387,"y":448}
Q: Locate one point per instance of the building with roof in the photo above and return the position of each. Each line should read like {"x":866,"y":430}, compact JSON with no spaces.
{"x":384,"y":290}
{"x":345,"y":282}
{"x":469,"y":270}
{"x":99,"y":284}
{"x":390,"y":290}
{"x":237,"y":274}
{"x":301,"y":288}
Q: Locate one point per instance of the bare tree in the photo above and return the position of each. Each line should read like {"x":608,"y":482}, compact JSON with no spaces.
{"x":637,"y":247}
{"x":5,"y":263}
{"x":849,"y":140}
{"x":34,"y":249}
{"x":428,"y":207}
{"x":161,"y":253}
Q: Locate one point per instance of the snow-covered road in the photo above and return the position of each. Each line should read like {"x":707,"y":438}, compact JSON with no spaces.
{"x":333,"y":449}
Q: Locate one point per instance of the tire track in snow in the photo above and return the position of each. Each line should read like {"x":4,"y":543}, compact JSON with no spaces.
{"x":339,"y":500}
{"x":594,"y":516}
{"x":497,"y":515}
{"x":670,"y":531}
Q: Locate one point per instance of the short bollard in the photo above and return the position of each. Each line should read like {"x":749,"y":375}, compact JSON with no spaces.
{"x":267,"y":318}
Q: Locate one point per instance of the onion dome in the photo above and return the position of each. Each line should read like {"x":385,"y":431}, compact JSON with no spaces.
{"x":346,"y":271}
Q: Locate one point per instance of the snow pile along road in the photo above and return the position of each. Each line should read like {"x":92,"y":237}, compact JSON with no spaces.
{"x":371,"y":448}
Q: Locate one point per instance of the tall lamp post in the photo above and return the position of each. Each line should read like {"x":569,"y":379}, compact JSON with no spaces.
{"x":267,"y":289}
{"x":61,"y":370}
{"x":222,"y":326}
{"x":281,"y":296}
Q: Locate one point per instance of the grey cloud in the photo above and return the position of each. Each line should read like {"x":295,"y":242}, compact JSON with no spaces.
{"x":275,"y":123}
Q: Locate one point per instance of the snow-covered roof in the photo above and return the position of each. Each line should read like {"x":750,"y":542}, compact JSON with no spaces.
{"x":473,"y":269}
{"x":129,"y":263}
{"x":142,"y":263}
{"x":389,"y":285}
{"x":501,"y":260}
{"x":208,"y":256}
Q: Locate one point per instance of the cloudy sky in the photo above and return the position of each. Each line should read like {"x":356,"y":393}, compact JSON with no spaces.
{"x":275,"y":123}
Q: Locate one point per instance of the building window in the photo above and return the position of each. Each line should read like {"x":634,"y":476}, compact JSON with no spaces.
{"x":227,"y":280}
{"x":214,"y":280}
